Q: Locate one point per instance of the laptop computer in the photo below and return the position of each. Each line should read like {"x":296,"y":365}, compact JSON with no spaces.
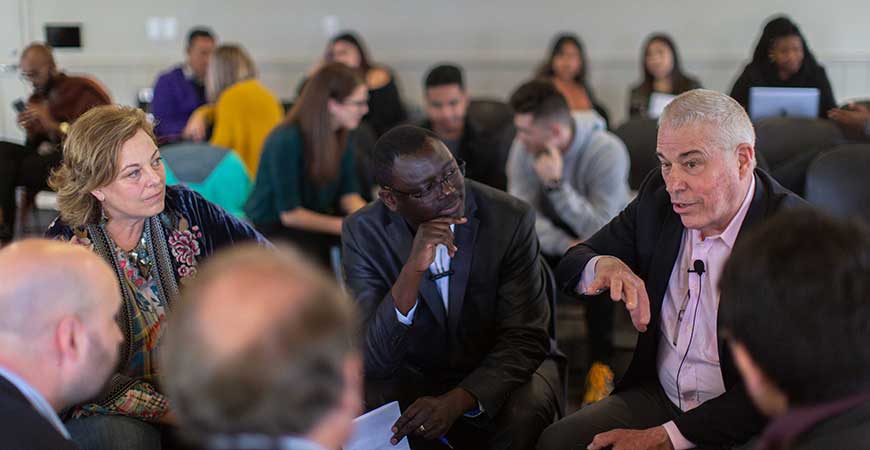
{"x":767,"y":102}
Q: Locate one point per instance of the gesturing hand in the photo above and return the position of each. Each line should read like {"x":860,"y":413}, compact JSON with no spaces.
{"x":432,"y":417}
{"x":625,"y":286}
{"x":429,"y":235}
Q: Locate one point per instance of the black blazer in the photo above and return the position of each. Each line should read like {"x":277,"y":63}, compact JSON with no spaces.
{"x":646,"y":236}
{"x":495,"y":334}
{"x":22,"y":427}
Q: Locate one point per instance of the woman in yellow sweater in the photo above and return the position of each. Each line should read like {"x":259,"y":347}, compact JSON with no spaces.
{"x":241,"y":110}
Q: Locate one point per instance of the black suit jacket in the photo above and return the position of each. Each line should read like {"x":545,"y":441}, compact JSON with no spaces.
{"x":495,"y":335}
{"x":646,"y":236}
{"x":22,"y":427}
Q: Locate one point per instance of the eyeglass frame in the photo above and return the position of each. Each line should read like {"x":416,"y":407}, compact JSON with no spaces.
{"x":438,"y":183}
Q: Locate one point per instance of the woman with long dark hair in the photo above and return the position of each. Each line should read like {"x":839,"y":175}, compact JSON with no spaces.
{"x":385,"y":104}
{"x":567,"y":67}
{"x":662,"y":73}
{"x":307,"y":181}
{"x":783,"y":59}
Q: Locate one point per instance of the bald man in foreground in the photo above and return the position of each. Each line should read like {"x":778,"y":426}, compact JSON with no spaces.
{"x":261,"y":354}
{"x":58,"y":338}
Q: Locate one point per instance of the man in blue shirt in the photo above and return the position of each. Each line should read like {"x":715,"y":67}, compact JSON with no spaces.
{"x":179,"y":91}
{"x":58,"y":338}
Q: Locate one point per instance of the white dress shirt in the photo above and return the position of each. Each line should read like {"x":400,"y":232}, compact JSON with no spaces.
{"x":700,"y":375}
{"x":39,"y":403}
{"x":441,"y":264}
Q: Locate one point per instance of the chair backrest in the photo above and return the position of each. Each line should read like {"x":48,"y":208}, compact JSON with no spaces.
{"x":217,"y":173}
{"x":639,"y":136}
{"x":838,"y":182}
{"x":552,"y":291}
{"x":781,"y":139}
{"x":490,"y":115}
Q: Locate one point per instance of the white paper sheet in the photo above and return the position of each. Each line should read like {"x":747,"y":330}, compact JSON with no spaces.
{"x":373,"y":432}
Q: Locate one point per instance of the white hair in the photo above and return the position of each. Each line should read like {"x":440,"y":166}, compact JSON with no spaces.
{"x":722,"y":113}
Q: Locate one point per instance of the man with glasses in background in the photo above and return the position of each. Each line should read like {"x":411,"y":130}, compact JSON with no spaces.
{"x":448,"y":278}
{"x":57,"y":100}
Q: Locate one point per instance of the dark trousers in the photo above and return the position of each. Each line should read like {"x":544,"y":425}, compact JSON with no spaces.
{"x":519,"y":422}
{"x":21,"y":166}
{"x":636,"y":408}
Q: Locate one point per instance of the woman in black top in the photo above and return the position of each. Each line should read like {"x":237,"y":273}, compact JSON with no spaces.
{"x":566,"y":67}
{"x":662,"y":73}
{"x":783,"y":59}
{"x":385,"y":106}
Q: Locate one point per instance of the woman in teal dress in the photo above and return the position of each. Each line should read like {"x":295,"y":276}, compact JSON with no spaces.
{"x":306,"y":181}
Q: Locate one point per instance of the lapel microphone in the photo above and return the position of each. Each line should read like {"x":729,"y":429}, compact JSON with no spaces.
{"x":698,"y":267}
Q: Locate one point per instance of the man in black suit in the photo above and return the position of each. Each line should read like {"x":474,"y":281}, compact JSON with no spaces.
{"x":58,"y":338}
{"x":448,"y":278}
{"x":662,"y":257}
{"x":809,"y":367}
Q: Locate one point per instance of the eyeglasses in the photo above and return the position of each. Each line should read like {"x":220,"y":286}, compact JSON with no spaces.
{"x":452,"y":177}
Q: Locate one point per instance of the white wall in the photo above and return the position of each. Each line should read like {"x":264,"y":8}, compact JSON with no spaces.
{"x":499,"y":43}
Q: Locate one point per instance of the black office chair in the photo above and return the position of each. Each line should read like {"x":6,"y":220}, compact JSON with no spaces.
{"x":789,"y":145}
{"x":561,"y":361}
{"x":639,"y":136}
{"x":838,"y":182}
{"x":490,"y":115}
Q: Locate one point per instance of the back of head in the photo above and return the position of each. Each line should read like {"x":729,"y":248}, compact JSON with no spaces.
{"x":229,"y":64}
{"x":444,"y":75}
{"x":90,"y":156}
{"x":801,"y":310}
{"x":323,"y":147}
{"x":258,"y":345}
{"x":401,"y":141}
{"x":542,"y":100}
{"x":703,"y":107}
{"x":41,"y":281}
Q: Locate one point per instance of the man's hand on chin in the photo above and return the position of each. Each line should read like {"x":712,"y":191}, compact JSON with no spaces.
{"x":619,"y":439}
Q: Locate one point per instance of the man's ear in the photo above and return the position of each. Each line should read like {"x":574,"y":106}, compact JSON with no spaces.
{"x":388,"y":198}
{"x":745,"y":159}
{"x":70,"y":339}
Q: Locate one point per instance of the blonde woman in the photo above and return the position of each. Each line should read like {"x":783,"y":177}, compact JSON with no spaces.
{"x":241,"y":110}
{"x":113,"y":199}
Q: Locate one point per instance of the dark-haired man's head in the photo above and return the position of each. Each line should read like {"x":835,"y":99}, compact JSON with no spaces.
{"x":542,"y":116}
{"x":796,"y":313}
{"x":446,"y":100}
{"x":418,"y":175}
{"x":200,"y":45}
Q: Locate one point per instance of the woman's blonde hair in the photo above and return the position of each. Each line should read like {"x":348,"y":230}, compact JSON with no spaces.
{"x":228,"y":65}
{"x":90,"y":159}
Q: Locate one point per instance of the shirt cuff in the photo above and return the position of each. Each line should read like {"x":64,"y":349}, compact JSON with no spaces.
{"x":588,"y":275}
{"x":407,"y":319}
{"x":677,"y":439}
